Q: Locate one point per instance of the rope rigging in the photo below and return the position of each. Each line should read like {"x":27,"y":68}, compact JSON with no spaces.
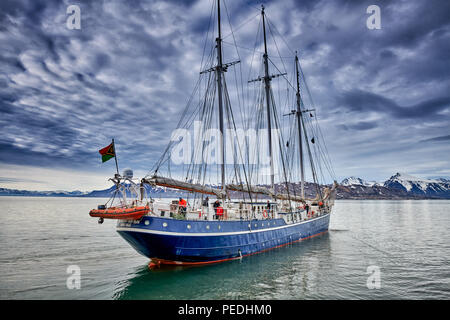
{"x":249,"y":97}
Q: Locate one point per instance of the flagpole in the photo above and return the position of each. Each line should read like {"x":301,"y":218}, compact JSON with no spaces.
{"x":115,"y":157}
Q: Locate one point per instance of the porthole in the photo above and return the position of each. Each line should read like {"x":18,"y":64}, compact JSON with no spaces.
{"x":147,"y":222}
{"x":249,"y":225}
{"x":262,"y":224}
{"x":207,"y":227}
{"x":165,"y":224}
{"x":256,"y":225}
{"x":219,"y":227}
{"x":188,"y":226}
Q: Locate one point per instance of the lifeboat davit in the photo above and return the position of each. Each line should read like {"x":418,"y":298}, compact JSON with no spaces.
{"x":133,"y":213}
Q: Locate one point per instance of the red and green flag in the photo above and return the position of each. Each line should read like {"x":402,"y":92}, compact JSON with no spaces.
{"x":108,"y":152}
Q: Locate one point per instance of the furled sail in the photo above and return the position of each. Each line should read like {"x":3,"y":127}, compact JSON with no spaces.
{"x":192,"y":187}
{"x":181,"y":185}
{"x":250,"y":189}
{"x":265,"y":191}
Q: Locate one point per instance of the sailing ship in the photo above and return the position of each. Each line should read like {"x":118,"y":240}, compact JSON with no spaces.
{"x":259,"y":203}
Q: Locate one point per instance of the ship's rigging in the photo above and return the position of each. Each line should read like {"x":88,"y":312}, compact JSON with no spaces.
{"x":236,"y":164}
{"x":254,"y":139}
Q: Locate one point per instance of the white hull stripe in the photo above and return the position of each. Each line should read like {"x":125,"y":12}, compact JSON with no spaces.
{"x":203,"y":234}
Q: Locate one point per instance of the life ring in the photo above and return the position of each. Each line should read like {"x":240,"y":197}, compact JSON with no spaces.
{"x":265,"y":214}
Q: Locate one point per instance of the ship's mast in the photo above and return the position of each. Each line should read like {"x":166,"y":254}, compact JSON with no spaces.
{"x":219,"y":72}
{"x":267,"y":80}
{"x":300,"y":140}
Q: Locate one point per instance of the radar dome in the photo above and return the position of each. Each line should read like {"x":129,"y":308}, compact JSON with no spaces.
{"x":127,"y":173}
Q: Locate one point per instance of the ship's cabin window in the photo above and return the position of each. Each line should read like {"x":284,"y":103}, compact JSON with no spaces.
{"x":164,"y":224}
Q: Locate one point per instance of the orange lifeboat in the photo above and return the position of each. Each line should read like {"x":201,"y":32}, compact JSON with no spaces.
{"x":133,"y":213}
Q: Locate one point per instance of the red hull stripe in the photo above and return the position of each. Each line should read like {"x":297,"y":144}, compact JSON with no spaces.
{"x":156,"y":261}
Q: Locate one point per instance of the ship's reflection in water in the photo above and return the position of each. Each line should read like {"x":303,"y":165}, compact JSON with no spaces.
{"x":290,"y":272}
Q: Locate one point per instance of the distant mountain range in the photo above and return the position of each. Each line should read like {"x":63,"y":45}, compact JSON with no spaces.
{"x":15,"y":192}
{"x":399,"y":186}
{"x":154,"y":192}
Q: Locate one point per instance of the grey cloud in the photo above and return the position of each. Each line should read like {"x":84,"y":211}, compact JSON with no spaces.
{"x":128,"y":73}
{"x":362,"y":101}
{"x":438,"y":139}
{"x":363,"y":125}
{"x":6,"y":179}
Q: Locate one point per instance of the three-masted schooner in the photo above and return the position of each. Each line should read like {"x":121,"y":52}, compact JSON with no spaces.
{"x":247,"y":214}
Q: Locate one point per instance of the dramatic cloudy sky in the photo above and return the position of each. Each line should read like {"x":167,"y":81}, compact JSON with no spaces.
{"x":383,"y":96}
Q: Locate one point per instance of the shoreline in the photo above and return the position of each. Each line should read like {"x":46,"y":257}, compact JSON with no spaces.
{"x":337,"y":199}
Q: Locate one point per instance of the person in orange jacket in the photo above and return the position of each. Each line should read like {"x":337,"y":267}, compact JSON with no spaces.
{"x":182,"y":205}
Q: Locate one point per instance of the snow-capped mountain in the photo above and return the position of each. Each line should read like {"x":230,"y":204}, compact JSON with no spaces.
{"x":400,"y":185}
{"x":445,"y":180}
{"x":414,"y":185}
{"x":58,"y":193}
{"x":152,"y":191}
{"x":358,"y":181}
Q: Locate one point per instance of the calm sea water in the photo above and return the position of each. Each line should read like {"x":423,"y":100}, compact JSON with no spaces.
{"x":407,"y":241}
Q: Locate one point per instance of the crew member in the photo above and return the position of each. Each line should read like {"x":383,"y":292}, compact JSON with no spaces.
{"x":205,"y":204}
{"x":307,"y":208}
{"x":216,"y":205}
{"x":182,"y":205}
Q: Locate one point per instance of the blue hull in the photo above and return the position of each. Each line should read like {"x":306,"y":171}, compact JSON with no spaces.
{"x":194,"y":242}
